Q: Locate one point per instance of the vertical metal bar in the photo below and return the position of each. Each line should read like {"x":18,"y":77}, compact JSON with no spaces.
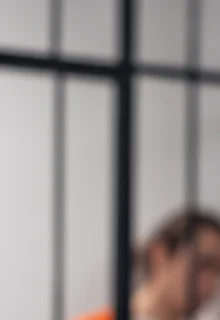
{"x":59,"y":200}
{"x":56,"y":27}
{"x":192,"y":103}
{"x":124,"y":154}
{"x":192,"y":138}
{"x":192,"y":143}
{"x":59,"y":166}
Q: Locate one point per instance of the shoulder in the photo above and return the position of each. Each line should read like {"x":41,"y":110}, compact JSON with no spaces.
{"x":105,"y":314}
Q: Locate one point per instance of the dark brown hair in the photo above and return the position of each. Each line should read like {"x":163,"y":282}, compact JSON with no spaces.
{"x":178,"y":231}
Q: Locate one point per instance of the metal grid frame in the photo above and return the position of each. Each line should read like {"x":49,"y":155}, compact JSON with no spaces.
{"x":122,"y":73}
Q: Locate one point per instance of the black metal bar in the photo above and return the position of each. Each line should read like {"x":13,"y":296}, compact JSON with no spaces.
{"x":94,"y":69}
{"x":58,"y":312}
{"x":185,"y":74}
{"x":192,"y":140}
{"x":56,"y":27}
{"x":192,"y":144}
{"x":51,"y":63}
{"x":192,"y":103}
{"x":59,"y":199}
{"x":124,"y":154}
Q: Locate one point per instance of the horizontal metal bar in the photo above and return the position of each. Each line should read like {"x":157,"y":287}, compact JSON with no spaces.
{"x":92,"y":68}
{"x":50,"y":63}
{"x":187,"y":74}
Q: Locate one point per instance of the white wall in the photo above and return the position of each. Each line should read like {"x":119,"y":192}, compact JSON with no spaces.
{"x":89,"y":234}
{"x":26,"y":145}
{"x":26,"y":193}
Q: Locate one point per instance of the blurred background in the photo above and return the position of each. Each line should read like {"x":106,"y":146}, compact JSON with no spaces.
{"x":26,"y":142}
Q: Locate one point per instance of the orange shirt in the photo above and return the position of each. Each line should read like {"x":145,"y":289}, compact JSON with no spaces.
{"x":105,"y":314}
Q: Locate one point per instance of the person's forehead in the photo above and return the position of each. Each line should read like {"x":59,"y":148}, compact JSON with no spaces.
{"x":208,"y":240}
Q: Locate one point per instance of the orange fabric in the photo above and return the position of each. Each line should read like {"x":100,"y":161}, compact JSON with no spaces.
{"x":99,"y":315}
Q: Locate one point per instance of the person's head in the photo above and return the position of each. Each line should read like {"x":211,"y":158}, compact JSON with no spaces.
{"x":184,"y":258}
